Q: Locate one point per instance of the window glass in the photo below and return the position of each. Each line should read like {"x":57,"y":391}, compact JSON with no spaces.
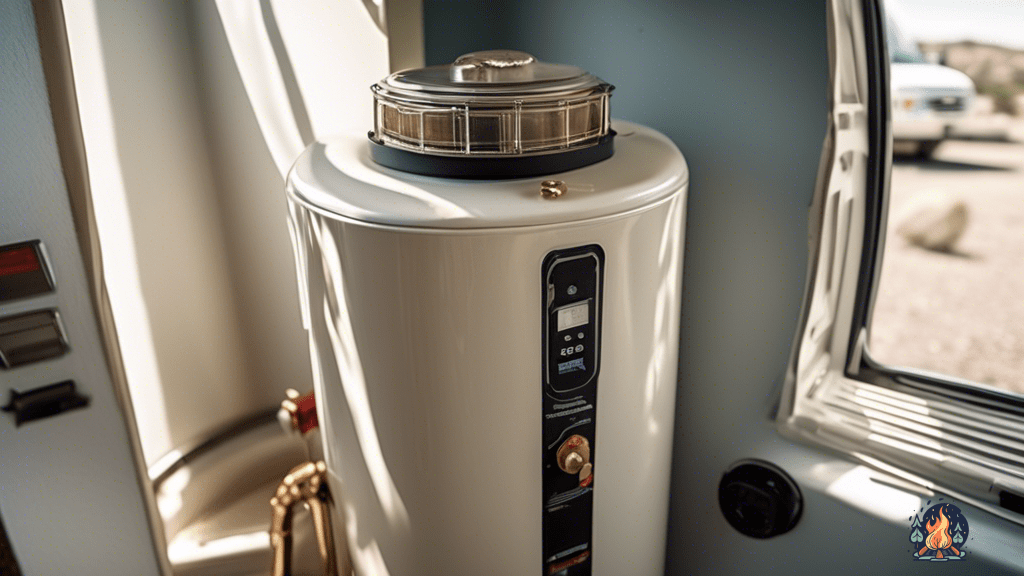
{"x":902,"y":49}
{"x":951,"y":295}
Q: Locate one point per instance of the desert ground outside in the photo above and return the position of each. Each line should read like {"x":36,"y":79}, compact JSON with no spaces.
{"x":961,"y":312}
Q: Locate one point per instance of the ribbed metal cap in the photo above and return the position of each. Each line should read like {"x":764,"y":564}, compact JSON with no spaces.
{"x":493,"y":103}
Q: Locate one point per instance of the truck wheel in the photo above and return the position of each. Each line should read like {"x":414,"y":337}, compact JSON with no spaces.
{"x":926,"y":148}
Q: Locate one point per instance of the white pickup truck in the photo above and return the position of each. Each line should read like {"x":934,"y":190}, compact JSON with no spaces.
{"x":927,"y":99}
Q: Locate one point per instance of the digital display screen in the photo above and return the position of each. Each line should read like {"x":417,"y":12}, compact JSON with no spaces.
{"x":573,"y":316}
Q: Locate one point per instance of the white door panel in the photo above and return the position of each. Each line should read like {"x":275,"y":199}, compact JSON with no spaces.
{"x":73,"y":494}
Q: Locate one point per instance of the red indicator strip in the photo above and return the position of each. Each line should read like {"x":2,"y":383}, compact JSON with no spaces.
{"x":18,"y":261}
{"x":306,"y":413}
{"x":555,"y":568}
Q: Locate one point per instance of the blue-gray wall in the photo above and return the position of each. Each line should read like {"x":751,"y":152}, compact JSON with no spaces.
{"x":742,"y":89}
{"x":741,"y":86}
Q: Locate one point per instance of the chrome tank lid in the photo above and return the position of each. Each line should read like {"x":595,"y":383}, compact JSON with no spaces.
{"x":493,"y":76}
{"x":497,"y":104}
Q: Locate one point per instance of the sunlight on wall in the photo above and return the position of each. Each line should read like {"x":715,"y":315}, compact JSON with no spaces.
{"x":115,"y":230}
{"x":261,"y":74}
{"x":857,"y":489}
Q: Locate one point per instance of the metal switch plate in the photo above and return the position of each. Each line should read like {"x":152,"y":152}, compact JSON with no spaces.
{"x":23,"y":271}
{"x":31,"y":337}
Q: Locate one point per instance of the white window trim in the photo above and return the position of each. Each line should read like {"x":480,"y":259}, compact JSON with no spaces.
{"x":878,"y":416}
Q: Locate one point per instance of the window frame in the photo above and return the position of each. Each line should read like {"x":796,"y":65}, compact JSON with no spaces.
{"x":858,"y":368}
{"x":860,"y":364}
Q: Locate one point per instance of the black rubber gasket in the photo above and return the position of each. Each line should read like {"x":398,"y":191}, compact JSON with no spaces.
{"x":490,"y":167}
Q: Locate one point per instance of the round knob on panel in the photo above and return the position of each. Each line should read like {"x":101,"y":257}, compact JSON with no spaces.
{"x":573,"y":462}
{"x":573,"y":454}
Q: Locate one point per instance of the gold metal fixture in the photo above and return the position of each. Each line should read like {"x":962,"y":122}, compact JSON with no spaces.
{"x":553,"y":188}
{"x":288,"y":416}
{"x":493,"y":66}
{"x":305,"y":483}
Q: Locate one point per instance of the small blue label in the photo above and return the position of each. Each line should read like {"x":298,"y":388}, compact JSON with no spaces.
{"x":571,"y":366}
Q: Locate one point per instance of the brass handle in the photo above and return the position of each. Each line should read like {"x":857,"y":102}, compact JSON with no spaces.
{"x":305,"y":483}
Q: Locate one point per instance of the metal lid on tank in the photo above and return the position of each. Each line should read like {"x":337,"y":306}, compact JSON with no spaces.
{"x":497,"y":103}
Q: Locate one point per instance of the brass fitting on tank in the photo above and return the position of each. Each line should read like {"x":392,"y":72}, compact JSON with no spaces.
{"x":306,"y":483}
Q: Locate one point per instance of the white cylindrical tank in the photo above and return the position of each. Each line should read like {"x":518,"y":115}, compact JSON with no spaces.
{"x":495,"y":369}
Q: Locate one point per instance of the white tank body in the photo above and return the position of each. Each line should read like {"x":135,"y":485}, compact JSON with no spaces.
{"x":424,"y":301}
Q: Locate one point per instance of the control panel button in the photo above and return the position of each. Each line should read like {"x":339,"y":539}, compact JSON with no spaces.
{"x":44,"y":402}
{"x":23,"y":271}
{"x":30,"y":337}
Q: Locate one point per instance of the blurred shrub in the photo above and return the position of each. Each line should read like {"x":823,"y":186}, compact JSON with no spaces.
{"x":1004,"y":97}
{"x":997,"y":71}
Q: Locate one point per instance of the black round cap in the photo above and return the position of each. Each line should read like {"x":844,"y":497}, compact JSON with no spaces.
{"x":759,"y":499}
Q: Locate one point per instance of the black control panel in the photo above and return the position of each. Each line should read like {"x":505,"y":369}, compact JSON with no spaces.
{"x":572,"y":284}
